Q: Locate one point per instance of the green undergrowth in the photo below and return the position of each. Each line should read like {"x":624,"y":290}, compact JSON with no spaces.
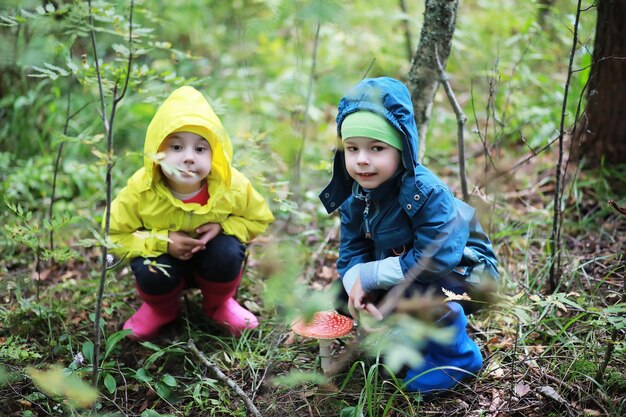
{"x":529,"y":338}
{"x":546,"y":353}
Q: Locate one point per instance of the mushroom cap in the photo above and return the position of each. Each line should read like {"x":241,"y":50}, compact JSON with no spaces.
{"x":324,"y":325}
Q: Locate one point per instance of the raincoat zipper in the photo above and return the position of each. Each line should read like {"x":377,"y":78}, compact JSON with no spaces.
{"x":366,"y":212}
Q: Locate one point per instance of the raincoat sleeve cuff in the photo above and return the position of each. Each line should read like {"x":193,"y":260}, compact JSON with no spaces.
{"x":381,"y":274}
{"x":162,"y":240}
{"x":350,"y":277}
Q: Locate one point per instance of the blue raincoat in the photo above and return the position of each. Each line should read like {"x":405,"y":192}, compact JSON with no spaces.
{"x":412,"y":220}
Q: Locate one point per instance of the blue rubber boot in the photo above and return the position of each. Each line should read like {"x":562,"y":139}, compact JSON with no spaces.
{"x":446,"y":365}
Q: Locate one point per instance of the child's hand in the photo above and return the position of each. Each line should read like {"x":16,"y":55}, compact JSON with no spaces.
{"x":182,"y":246}
{"x":359,"y":299}
{"x":207,"y":232}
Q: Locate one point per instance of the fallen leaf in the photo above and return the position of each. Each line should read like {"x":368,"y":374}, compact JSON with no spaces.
{"x":521,"y":389}
{"x":496,"y":343}
{"x":326,"y":273}
{"x":537,"y":349}
{"x":551,"y":393}
{"x":495,"y":370}
{"x":41,"y":276}
{"x":452,"y":296}
{"x":252,"y":306}
{"x":496,"y":400}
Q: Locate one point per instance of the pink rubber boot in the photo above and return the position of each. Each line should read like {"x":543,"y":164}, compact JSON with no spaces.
{"x":219,"y":305}
{"x":155,"y":312}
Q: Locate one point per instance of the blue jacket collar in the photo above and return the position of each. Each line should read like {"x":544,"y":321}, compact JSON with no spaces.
{"x":391,"y":99}
{"x":382,"y":190}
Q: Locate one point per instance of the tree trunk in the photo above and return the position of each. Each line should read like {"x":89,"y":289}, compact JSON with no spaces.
{"x":602,"y":133}
{"x":423,"y":77}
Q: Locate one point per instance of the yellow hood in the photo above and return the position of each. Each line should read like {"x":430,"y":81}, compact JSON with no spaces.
{"x":186,"y":109}
{"x":145,"y":212}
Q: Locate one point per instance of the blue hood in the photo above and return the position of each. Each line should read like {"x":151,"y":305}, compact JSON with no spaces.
{"x":391,"y":99}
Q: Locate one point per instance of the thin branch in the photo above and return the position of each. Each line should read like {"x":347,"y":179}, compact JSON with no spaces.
{"x":407,"y":30}
{"x":608,"y":353}
{"x":367,"y":71}
{"x":318,"y":252}
{"x":481,"y":136}
{"x":620,"y":210}
{"x":58,"y":158}
{"x":309,"y":97}
{"x":108,"y":125}
{"x":484,"y":137}
{"x":461,"y":119}
{"x":519,"y":163}
{"x":615,"y":333}
{"x":57,"y":161}
{"x":257,"y":384}
{"x":555,"y":234}
{"x":488,"y":112}
{"x":217,"y":373}
{"x":396,"y":293}
{"x":92,"y":35}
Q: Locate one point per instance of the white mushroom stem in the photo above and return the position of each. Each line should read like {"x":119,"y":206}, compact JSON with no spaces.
{"x":325,"y":326}
{"x":325,"y":354}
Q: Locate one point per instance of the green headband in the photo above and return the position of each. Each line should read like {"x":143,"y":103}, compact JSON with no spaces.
{"x":370,"y":125}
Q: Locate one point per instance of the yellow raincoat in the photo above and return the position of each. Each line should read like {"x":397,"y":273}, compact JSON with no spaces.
{"x":145,"y":211}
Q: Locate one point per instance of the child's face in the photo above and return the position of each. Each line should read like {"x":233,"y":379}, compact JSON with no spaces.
{"x":187,"y":161}
{"x":370,"y":162}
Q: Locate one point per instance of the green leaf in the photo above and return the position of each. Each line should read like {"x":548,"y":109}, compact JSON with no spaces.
{"x":351,"y":412}
{"x":142,"y":375}
{"x":8,"y":21}
{"x":121,"y":49}
{"x":163,"y":390}
{"x":88,"y":350}
{"x":152,"y":413}
{"x":152,"y":346}
{"x":169,"y":380}
{"x":113,"y":340}
{"x":59,"y":70}
{"x":110,"y":383}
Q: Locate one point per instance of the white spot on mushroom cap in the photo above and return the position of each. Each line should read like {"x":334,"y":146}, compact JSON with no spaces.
{"x":324,"y":325}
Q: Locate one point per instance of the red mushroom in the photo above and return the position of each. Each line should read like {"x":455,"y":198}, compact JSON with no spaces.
{"x":324,"y":326}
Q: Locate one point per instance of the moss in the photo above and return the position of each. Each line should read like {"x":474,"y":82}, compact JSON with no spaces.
{"x":615,"y":381}
{"x":578,"y":370}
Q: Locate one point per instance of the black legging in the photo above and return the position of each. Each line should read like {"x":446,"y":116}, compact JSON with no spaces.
{"x":221,"y":261}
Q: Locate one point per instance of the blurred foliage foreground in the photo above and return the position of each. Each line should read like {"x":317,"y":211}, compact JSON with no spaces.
{"x":274,"y":72}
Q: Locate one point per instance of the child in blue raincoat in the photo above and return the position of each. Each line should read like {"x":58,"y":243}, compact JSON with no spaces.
{"x":396,"y":217}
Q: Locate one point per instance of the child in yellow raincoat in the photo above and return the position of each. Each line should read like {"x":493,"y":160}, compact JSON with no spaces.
{"x":184,"y":218}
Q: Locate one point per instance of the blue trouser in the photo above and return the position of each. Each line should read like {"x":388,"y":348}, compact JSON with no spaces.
{"x":446,"y":364}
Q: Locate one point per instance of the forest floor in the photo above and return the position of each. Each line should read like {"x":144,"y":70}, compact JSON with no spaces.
{"x":546,"y":354}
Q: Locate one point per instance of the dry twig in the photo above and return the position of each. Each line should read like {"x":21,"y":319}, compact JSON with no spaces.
{"x":217,"y":373}
{"x":461,"y":119}
{"x":332,"y":234}
{"x":621,"y":210}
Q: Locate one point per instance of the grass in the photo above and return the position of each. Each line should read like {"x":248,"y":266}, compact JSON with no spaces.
{"x":542,"y":351}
